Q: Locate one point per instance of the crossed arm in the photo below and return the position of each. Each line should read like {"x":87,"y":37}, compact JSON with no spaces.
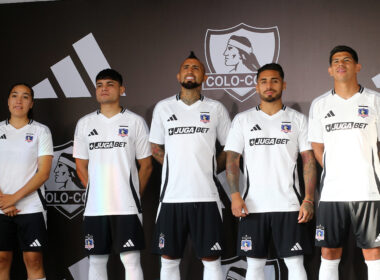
{"x":8,"y":201}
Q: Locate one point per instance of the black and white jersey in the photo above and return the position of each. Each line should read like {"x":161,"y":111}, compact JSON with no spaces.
{"x":112,"y":146}
{"x":189,"y":134}
{"x":349,"y":130}
{"x":270,"y":146}
{"x":19,"y":153}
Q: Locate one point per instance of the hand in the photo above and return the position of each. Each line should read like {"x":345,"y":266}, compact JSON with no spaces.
{"x":11,"y":211}
{"x":306,"y":212}
{"x":7,"y":200}
{"x":238,"y":207}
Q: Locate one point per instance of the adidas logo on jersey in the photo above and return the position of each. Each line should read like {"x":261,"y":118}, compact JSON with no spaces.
{"x":93,"y":132}
{"x":256,"y":127}
{"x":330,"y":114}
{"x":3,"y":136}
{"x":216,"y":247}
{"x":172,"y":118}
{"x":128,"y":244}
{"x":35,"y":243}
{"x":296,"y":247}
{"x":377,"y":238}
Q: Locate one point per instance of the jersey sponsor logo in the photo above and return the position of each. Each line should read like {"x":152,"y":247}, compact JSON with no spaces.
{"x":123,"y":131}
{"x":89,"y":242}
{"x":246,"y":243}
{"x":363,"y":111}
{"x":64,"y":191}
{"x":29,"y":137}
{"x":256,"y":127}
{"x":344,"y":126}
{"x":234,"y":55}
{"x":205,"y":117}
{"x":268,"y":141}
{"x":161,"y":241}
{"x":172,"y":118}
{"x":320,"y":233}
{"x":3,"y":136}
{"x":330,"y":114}
{"x":187,"y":130}
{"x":286,"y":127}
{"x":296,"y":247}
{"x":93,"y":132}
{"x":106,"y":145}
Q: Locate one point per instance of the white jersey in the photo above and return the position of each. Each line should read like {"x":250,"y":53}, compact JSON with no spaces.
{"x":270,"y":146}
{"x":19,"y":153}
{"x":112,"y":146}
{"x":189,"y":134}
{"x":349,"y":130}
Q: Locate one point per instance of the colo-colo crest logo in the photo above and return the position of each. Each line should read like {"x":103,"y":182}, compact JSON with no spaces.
{"x":234,"y":55}
{"x":64,"y":190}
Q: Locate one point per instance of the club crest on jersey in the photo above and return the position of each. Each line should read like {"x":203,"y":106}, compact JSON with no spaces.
{"x":29,"y":138}
{"x":363,"y":112}
{"x":205,"y":118}
{"x":246,"y":243}
{"x":161,"y":241}
{"x":123,"y":132}
{"x":286,"y":128}
{"x":89,"y":242}
{"x":234,"y":55}
{"x":320,"y":233}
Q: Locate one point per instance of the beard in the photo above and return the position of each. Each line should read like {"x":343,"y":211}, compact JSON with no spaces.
{"x":190,"y":85}
{"x":271,"y":98}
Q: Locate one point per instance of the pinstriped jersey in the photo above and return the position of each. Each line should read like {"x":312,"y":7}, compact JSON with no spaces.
{"x":112,"y":145}
{"x":270,"y":145}
{"x":189,"y":134}
{"x":349,"y":130}
{"x":19,"y":152}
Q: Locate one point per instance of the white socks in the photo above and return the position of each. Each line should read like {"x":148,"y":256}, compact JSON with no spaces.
{"x":373,"y":269}
{"x":212,"y":270}
{"x":296,"y":270}
{"x":98,"y":267}
{"x":329,"y":269}
{"x":132,"y":265}
{"x":255,"y":269}
{"x":169,"y":269}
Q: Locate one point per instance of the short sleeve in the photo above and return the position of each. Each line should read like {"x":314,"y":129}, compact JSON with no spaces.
{"x":143,"y":149}
{"x":157,"y":131}
{"x":45,"y":143}
{"x":80,"y":149}
{"x":235,"y":139}
{"x":378,"y":115}
{"x":224,"y":124}
{"x":303,"y":143}
{"x":315,"y":132}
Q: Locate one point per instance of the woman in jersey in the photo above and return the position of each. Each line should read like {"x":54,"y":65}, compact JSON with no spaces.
{"x":26,"y":151}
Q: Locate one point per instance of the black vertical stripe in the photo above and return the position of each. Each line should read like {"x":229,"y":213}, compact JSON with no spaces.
{"x":87,"y":190}
{"x":323,"y":173}
{"x":374,"y":172}
{"x":166,"y":180}
{"x":42,"y":198}
{"x":134,"y":194}
{"x":247,"y":189}
{"x":294,"y":185}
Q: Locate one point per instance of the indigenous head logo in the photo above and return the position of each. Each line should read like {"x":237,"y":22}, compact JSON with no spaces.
{"x":64,"y":191}
{"x":234,"y":54}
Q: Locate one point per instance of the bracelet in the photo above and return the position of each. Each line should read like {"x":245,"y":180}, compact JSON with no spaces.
{"x":308,"y":201}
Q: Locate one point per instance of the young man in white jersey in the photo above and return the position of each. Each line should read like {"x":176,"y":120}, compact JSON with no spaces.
{"x":107,"y":144}
{"x":26,"y":152}
{"x":344,"y":129}
{"x":184,"y":131}
{"x":270,"y":137}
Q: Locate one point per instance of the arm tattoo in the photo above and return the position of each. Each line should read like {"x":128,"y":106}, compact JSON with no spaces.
{"x":233,"y":170}
{"x":309,"y":173}
{"x":158,"y":152}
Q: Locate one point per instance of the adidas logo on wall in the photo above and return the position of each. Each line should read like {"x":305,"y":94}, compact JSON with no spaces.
{"x":67,"y":74}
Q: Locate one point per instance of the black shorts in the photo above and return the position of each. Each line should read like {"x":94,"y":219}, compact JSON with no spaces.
{"x":118,"y":232}
{"x":175,"y":221}
{"x":334,"y":220}
{"x":256,"y":230}
{"x":29,"y":230}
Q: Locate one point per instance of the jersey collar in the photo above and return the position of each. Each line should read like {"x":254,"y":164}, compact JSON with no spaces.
{"x":177,"y":97}
{"x":361,"y":89}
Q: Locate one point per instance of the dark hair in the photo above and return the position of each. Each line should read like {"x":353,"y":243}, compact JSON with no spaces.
{"x":109,"y":74}
{"x":271,"y":66}
{"x":193,"y":56}
{"x":30,"y":112}
{"x":342,"y":48}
